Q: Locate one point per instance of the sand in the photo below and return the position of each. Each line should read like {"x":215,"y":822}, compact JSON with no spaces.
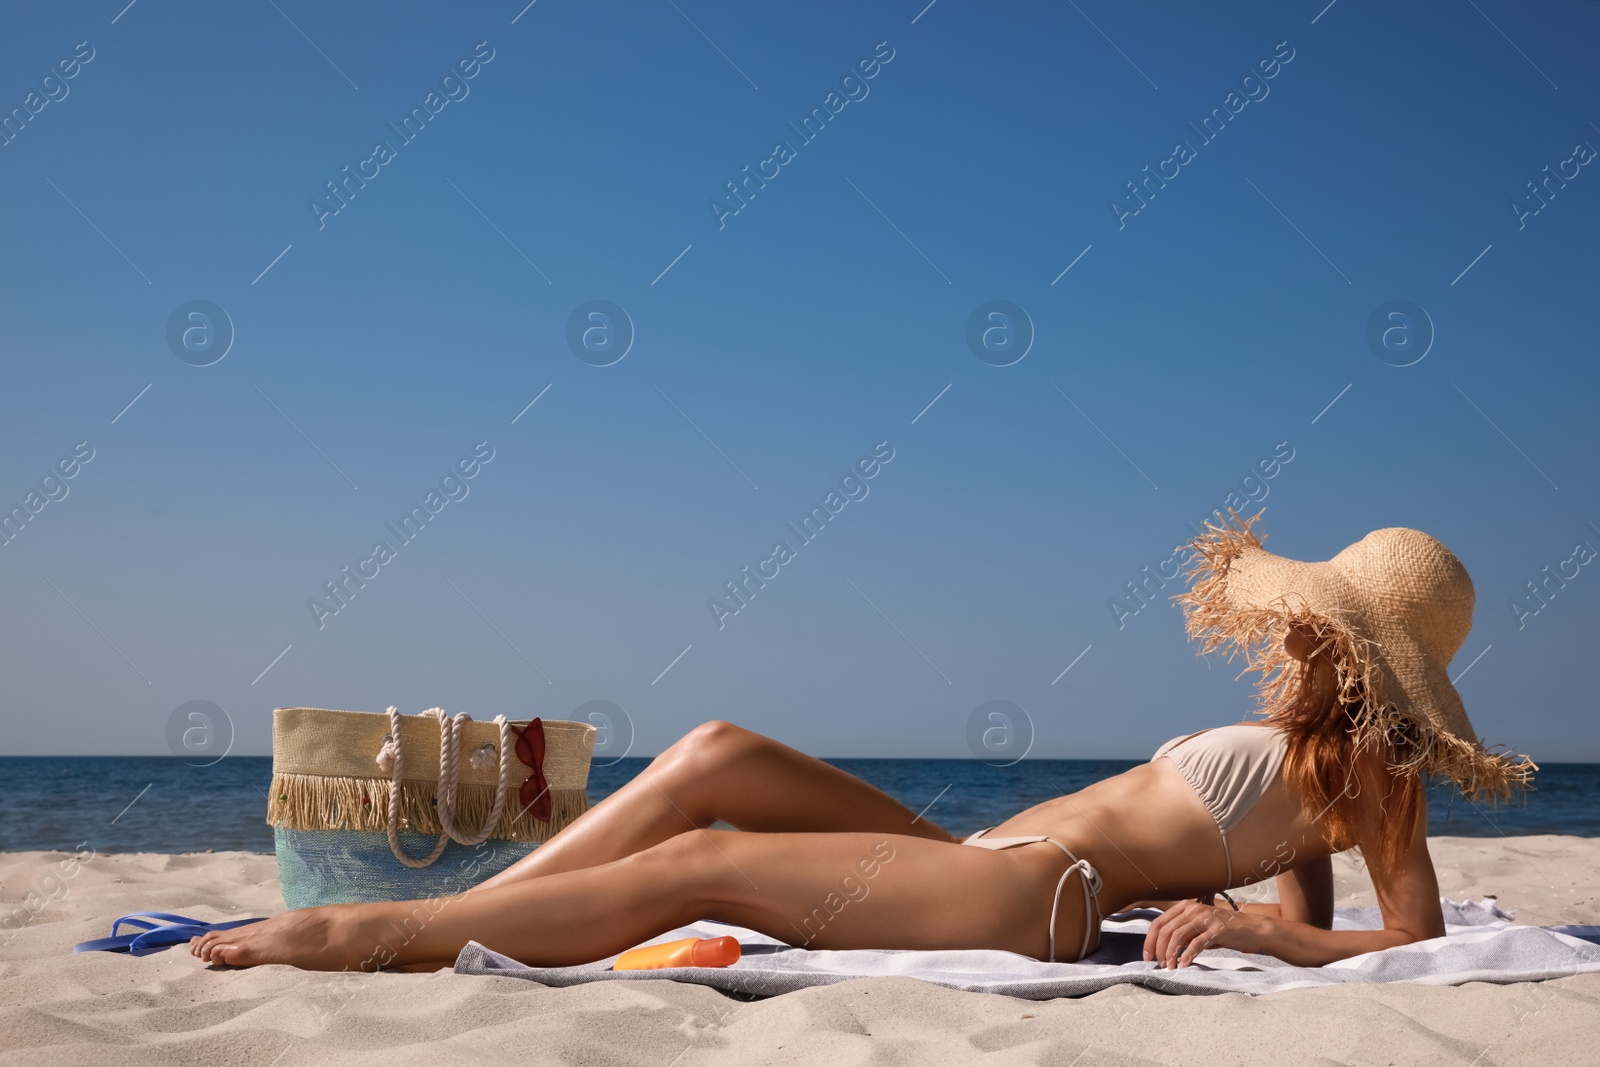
{"x":168,"y":1008}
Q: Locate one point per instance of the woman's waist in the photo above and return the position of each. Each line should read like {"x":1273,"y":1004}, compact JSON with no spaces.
{"x":1142,"y":837}
{"x":1145,"y":807}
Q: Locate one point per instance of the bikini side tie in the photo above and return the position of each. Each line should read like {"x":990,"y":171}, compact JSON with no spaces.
{"x":1092,"y":883}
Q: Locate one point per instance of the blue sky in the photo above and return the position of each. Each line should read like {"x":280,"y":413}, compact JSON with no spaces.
{"x":374,"y":348}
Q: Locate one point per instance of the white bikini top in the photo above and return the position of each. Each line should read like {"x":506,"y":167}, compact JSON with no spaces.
{"x":1230,"y":768}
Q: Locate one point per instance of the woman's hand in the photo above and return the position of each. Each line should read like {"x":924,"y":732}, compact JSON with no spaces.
{"x":1188,"y":928}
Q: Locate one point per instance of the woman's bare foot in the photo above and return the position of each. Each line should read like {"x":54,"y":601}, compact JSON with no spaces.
{"x":338,"y":937}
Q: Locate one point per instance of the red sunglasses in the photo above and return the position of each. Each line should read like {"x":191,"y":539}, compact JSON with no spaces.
{"x":535,"y":792}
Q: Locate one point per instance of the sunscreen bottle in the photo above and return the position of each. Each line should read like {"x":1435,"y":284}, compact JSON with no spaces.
{"x":690,"y":952}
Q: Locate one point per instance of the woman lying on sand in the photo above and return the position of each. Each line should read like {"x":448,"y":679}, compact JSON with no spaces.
{"x":1357,"y":708}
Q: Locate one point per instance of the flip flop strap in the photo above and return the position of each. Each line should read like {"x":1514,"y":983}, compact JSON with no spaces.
{"x":165,"y":936}
{"x":137,"y":919}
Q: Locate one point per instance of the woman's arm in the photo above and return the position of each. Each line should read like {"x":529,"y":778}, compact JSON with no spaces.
{"x":1305,"y":895}
{"x":1408,"y":897}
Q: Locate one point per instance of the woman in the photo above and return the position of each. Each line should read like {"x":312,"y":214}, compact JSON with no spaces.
{"x":1357,"y":708}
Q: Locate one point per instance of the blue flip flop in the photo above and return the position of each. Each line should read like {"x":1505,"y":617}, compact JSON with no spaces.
{"x":167,"y":931}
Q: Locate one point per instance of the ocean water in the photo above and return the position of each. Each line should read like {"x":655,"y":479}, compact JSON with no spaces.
{"x":162,"y":804}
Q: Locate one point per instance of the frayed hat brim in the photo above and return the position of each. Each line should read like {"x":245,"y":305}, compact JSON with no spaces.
{"x":1242,"y":602}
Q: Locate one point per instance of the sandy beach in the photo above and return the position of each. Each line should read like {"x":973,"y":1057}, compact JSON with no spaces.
{"x":96,"y":1008}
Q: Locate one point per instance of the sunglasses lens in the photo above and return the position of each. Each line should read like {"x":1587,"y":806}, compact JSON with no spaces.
{"x":535,"y":792}
{"x":535,"y":797}
{"x":530,"y":744}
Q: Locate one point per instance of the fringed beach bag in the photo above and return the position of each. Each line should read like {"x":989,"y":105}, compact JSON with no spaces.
{"x":371,"y":807}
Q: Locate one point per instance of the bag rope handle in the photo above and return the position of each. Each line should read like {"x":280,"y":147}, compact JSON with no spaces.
{"x":449,"y":754}
{"x":391,"y":757}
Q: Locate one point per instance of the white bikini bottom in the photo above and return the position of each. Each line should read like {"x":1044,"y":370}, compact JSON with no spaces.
{"x":1087,"y":875}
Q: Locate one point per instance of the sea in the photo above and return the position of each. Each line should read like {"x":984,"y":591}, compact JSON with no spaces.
{"x":165,"y":804}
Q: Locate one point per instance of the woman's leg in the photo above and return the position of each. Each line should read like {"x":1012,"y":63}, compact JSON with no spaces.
{"x":841,"y":890}
{"x":720,"y":771}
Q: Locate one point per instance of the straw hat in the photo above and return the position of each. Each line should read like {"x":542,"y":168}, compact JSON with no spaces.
{"x":1392,"y":610}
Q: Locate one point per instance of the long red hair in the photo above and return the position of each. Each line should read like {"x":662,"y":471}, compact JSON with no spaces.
{"x":1356,"y":797}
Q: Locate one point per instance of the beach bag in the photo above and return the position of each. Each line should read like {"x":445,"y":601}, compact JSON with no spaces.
{"x":368,"y":807}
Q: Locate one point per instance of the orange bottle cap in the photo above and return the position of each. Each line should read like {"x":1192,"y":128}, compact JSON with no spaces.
{"x":717,"y":952}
